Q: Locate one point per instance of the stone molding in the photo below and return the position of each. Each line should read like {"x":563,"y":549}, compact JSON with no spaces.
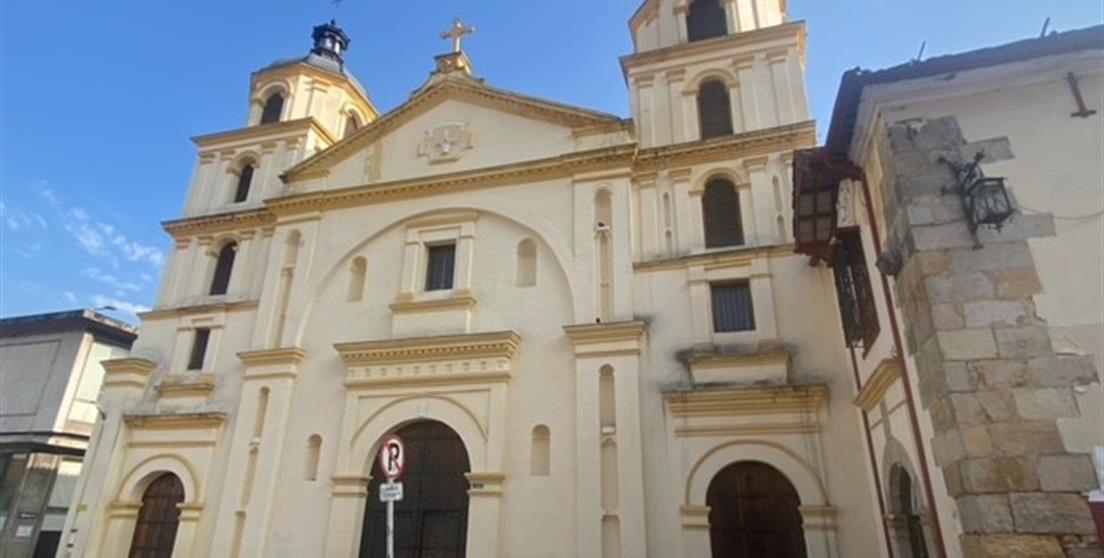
{"x":173,"y":387}
{"x":130,"y":372}
{"x":251,"y":134}
{"x":746,"y":401}
{"x":443,"y":360}
{"x":874,"y":390}
{"x":206,"y":308}
{"x":180,"y":421}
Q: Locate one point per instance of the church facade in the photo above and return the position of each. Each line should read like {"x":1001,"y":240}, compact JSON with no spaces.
{"x":593,"y":333}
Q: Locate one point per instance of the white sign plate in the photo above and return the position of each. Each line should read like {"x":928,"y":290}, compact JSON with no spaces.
{"x":391,"y":492}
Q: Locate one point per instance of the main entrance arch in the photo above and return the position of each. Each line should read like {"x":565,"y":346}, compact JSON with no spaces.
{"x":754,"y":511}
{"x":432,"y":518}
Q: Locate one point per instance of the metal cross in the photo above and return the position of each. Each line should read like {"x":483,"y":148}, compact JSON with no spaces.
{"x":456,"y":32}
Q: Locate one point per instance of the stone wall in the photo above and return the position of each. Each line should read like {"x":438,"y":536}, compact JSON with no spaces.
{"x":988,"y":374}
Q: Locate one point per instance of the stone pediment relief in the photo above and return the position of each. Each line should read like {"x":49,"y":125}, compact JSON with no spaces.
{"x":446,"y":143}
{"x":440,"y":360}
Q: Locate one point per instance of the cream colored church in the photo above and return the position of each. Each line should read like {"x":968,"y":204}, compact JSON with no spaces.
{"x":593,"y":333}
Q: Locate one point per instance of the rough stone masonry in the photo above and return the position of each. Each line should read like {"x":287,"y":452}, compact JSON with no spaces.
{"x":988,"y":374}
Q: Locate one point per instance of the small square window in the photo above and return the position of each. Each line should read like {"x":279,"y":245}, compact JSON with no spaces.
{"x":199,"y":348}
{"x":732,"y":308}
{"x":440,"y":265}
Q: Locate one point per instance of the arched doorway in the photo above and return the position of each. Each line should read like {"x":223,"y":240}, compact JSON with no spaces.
{"x":754,"y":512}
{"x":907,"y":522}
{"x":158,"y":519}
{"x":431,"y":521}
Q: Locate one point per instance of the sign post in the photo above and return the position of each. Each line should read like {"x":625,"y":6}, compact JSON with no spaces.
{"x":392,"y":462}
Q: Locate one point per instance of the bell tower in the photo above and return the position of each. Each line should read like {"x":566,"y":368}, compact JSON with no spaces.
{"x":708,"y":68}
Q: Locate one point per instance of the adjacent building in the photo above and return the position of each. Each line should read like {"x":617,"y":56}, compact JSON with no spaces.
{"x":50,"y":378}
{"x":960,"y":204}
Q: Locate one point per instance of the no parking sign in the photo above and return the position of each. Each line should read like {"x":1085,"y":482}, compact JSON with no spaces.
{"x":392,"y":457}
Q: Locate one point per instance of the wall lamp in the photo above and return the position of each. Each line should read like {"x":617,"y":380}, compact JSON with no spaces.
{"x":985,"y":199}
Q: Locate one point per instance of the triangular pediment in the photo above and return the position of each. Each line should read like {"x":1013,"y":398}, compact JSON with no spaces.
{"x":443,"y":120}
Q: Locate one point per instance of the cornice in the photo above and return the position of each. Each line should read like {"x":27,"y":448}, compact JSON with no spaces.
{"x":207,"y":308}
{"x":219,"y":222}
{"x":738,"y":359}
{"x":727,"y":258}
{"x":602,"y":333}
{"x":878,"y":384}
{"x":746,"y":401}
{"x":498,"y":344}
{"x":128,"y":365}
{"x":758,"y":142}
{"x":253,"y":133}
{"x":264,"y":357}
{"x":463,"y":302}
{"x":173,"y":387}
{"x":181,"y":421}
{"x":792,"y":29}
{"x":771,"y":429}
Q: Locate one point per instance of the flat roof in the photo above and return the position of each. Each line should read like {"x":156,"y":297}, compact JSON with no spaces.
{"x":101,"y":326}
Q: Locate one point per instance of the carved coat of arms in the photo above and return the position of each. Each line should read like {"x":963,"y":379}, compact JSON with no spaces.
{"x":446,"y":142}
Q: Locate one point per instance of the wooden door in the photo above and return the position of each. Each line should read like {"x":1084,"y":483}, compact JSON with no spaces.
{"x":754,"y":513}
{"x":431,"y":521}
{"x":158,"y":519}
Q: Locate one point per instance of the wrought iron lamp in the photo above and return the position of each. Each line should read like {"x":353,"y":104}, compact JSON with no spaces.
{"x":985,"y":199}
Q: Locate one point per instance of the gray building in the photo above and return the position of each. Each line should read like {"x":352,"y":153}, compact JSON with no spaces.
{"x":50,"y":377}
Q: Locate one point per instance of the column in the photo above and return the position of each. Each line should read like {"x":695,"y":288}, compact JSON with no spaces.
{"x":695,"y":531}
{"x":267,"y":182}
{"x":700,"y":306}
{"x":676,"y":81}
{"x":465,"y":247}
{"x":240,"y":278}
{"x":736,"y":110}
{"x":645,"y":108}
{"x":650,"y":241}
{"x":749,"y":104}
{"x":762,"y":299}
{"x":348,"y":502}
{"x":762,"y":200}
{"x":680,"y":186}
{"x":732,"y":16}
{"x":783,"y":88}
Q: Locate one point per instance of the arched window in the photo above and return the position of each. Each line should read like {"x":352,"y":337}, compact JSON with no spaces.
{"x":357,"y":271}
{"x":220,"y":282}
{"x":754,"y":511}
{"x":526,"y":272}
{"x":714,"y":109}
{"x":540,"y":453}
{"x":158,"y":519}
{"x":273,"y":108}
{"x":351,"y":125}
{"x":245,"y":179}
{"x":705,"y":19}
{"x":314,"y":452}
{"x":907,"y":523}
{"x":721,"y":214}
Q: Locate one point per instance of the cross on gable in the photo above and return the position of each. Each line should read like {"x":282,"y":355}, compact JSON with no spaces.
{"x":456,"y":32}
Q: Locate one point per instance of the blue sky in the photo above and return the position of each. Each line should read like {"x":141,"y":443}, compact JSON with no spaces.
{"x":98,"y":100}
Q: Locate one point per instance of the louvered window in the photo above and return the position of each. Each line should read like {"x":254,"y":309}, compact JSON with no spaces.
{"x":199,"y":348}
{"x":714,"y":110}
{"x":705,"y":19}
{"x":858,"y":314}
{"x":732,"y":308}
{"x":440,"y":265}
{"x":273,"y":109}
{"x":721,"y":214}
{"x":245,"y":179}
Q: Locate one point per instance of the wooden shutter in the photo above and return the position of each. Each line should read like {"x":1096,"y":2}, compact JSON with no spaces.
{"x":732,"y":307}
{"x":858,"y":313}
{"x":705,"y":19}
{"x":158,"y":519}
{"x":754,"y":512}
{"x":714,"y":110}
{"x":245,"y":179}
{"x":223,"y":267}
{"x":273,"y":109}
{"x":199,"y":348}
{"x":721,"y":214}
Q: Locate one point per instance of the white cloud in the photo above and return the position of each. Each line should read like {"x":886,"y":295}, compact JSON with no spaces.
{"x":70,"y":297}
{"x":104,"y":241}
{"x":49,"y":195}
{"x":18,"y":219}
{"x":120,"y":285}
{"x":100,"y":301}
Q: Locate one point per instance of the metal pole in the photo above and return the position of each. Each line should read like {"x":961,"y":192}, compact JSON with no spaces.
{"x":391,"y":525}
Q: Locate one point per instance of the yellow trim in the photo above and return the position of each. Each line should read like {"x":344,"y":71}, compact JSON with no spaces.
{"x":498,"y":344}
{"x":176,"y":386}
{"x":263,"y":78}
{"x":250,"y":134}
{"x":452,"y":303}
{"x":219,"y":222}
{"x":180,"y":311}
{"x":128,"y":365}
{"x":875,"y":388}
{"x":746,"y":430}
{"x":727,"y":258}
{"x":754,"y":38}
{"x":284,"y":355}
{"x":180,"y":421}
{"x":603,"y":333}
{"x":440,"y":379}
{"x":746,"y":401}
